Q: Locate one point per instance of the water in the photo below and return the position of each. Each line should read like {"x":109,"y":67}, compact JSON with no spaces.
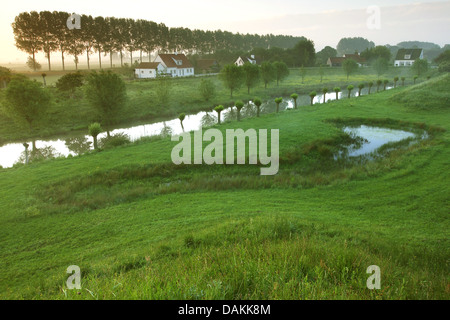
{"x":11,"y":153}
{"x":375,"y":137}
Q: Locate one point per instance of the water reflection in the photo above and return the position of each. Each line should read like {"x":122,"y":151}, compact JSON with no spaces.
{"x":374,"y":138}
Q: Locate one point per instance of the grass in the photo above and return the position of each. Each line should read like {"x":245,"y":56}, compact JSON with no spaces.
{"x":140,"y":227}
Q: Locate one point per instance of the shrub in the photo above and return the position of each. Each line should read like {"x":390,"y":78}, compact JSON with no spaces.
{"x":113,"y":141}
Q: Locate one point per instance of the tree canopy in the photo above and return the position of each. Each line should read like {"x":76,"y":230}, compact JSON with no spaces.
{"x":232,"y":77}
{"x":26,"y":102}
{"x":47,"y":32}
{"x":106,"y":92}
{"x":352,"y":45}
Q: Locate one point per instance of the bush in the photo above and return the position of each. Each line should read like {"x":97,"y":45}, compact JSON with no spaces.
{"x":444,"y":67}
{"x":116,"y":140}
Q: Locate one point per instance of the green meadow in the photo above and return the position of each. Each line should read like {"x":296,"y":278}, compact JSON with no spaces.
{"x":140,"y":227}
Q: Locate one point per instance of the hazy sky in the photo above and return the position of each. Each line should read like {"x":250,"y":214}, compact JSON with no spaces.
{"x":325,"y":22}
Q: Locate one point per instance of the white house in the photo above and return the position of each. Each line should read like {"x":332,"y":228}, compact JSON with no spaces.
{"x":175,"y":64}
{"x":241,"y":61}
{"x":406,"y":57}
{"x":149,"y":70}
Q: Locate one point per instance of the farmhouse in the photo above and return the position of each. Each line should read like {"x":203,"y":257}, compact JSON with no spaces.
{"x":148,"y":70}
{"x":242,"y":60}
{"x":177,"y":65}
{"x":335,"y":61}
{"x":406,"y":57}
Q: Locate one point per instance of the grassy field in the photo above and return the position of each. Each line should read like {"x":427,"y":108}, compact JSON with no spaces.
{"x":140,"y":227}
{"x":70,"y":116}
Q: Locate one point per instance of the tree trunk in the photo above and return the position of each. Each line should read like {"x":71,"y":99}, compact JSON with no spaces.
{"x":49,"y":64}
{"x":110,"y":59}
{"x":257,"y":112}
{"x":100,"y":58}
{"x":87,"y":53}
{"x":121,"y":58}
{"x":34,"y":61}
{"x":62,"y":59}
{"x":95,"y":143}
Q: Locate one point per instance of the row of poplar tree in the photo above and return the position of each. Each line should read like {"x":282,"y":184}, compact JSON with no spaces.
{"x":48,"y":32}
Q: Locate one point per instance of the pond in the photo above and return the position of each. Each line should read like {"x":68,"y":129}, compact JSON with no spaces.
{"x":65,"y":146}
{"x":375,"y":137}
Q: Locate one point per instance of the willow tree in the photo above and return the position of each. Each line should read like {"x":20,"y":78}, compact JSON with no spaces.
{"x":106,"y":93}
{"x":232,"y":77}
{"x":252,"y":75}
{"x":26,"y":102}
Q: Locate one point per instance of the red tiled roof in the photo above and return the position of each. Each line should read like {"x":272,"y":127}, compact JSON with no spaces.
{"x":335,"y":60}
{"x":169,"y":61}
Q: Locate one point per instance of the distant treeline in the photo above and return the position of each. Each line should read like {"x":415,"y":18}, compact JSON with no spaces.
{"x":48,"y":32}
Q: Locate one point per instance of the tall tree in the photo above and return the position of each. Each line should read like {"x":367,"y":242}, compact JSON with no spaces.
{"x":26,"y":35}
{"x":349,"y":66}
{"x":281,"y":71}
{"x":380,"y":65}
{"x":48,"y":34}
{"x":62,"y":34}
{"x":252,"y":75}
{"x":420,"y":66}
{"x":323,"y":55}
{"x":106,"y":92}
{"x":87,"y":36}
{"x":100,"y":33}
{"x":352,"y":45}
{"x":267,"y":73}
{"x":26,"y":102}
{"x":232,"y":77}
{"x":305,"y":52}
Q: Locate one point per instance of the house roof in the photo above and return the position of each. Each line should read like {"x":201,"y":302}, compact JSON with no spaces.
{"x":336,"y":60}
{"x":170,"y":60}
{"x":205,"y":64}
{"x":148,"y":65}
{"x":355,"y":57}
{"x":413,"y":53}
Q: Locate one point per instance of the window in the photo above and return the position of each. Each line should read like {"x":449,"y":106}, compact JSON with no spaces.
{"x":407,"y":56}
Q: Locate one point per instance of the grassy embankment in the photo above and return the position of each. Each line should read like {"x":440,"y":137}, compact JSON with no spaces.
{"x":140,"y":227}
{"x":72,"y":116}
